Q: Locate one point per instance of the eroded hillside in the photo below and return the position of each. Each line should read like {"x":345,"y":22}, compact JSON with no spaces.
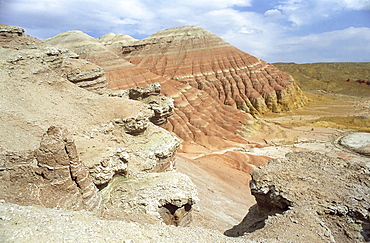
{"x":77,"y":133}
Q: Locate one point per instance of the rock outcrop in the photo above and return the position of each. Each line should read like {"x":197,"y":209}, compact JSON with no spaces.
{"x":10,"y":31}
{"x":151,"y":150}
{"x":167,"y":196}
{"x":161,"y":105}
{"x":30,"y":51}
{"x":112,"y":134}
{"x":52,"y":176}
{"x":85,"y":75}
{"x":308,"y":190}
{"x":358,"y":142}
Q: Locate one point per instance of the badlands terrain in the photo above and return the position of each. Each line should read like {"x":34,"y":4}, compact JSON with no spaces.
{"x":179,"y":137}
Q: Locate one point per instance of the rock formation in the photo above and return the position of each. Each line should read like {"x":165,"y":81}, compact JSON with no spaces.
{"x":161,"y":105}
{"x":357,"y":142}
{"x":112,"y":134}
{"x":308,"y":190}
{"x":66,"y":63}
{"x":52,"y":176}
{"x":167,"y":196}
{"x":85,"y":75}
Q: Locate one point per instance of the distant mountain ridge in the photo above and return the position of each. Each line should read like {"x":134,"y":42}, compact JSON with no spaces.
{"x":339,"y":77}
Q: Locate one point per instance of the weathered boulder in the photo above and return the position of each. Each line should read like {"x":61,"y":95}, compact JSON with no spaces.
{"x":163,"y":108}
{"x":153,"y":151}
{"x":111,"y":165}
{"x":85,"y":74}
{"x":167,"y":196}
{"x":52,"y":176}
{"x":161,"y":105}
{"x":118,"y":153}
{"x":136,"y":123}
{"x":309,"y":190}
{"x":139,"y":93}
{"x":358,"y":142}
{"x":8,"y":31}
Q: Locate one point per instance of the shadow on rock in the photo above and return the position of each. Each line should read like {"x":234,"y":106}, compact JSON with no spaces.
{"x":254,"y":220}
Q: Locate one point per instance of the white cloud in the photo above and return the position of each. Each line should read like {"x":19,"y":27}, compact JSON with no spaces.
{"x":273,"y":13}
{"x":215,"y":4}
{"x":333,"y":46}
{"x":270,"y":36}
{"x":355,"y":4}
{"x":305,"y":12}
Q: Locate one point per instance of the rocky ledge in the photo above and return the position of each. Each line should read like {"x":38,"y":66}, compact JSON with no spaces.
{"x":52,"y":176}
{"x":323,"y":199}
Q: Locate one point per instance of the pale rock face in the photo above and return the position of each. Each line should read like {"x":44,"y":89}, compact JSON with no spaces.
{"x":134,"y":125}
{"x":114,"y":164}
{"x":140,"y":93}
{"x":64,"y":62}
{"x":10,"y":31}
{"x":152,"y":150}
{"x":170,"y":194}
{"x":330,"y":196}
{"x":52,"y":176}
{"x":161,"y":105}
{"x":358,"y":142}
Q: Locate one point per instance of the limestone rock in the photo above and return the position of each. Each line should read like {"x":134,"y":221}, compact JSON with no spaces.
{"x":169,"y":194}
{"x":85,"y":75}
{"x":52,"y":176}
{"x":153,"y":151}
{"x":136,"y":123}
{"x":162,"y":106}
{"x":139,"y":93}
{"x":358,"y":142}
{"x":117,"y":153}
{"x":112,"y":165}
{"x":329,"y":196}
{"x":10,"y":31}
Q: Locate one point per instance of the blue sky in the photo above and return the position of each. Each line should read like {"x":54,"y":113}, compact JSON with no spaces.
{"x":300,"y":31}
